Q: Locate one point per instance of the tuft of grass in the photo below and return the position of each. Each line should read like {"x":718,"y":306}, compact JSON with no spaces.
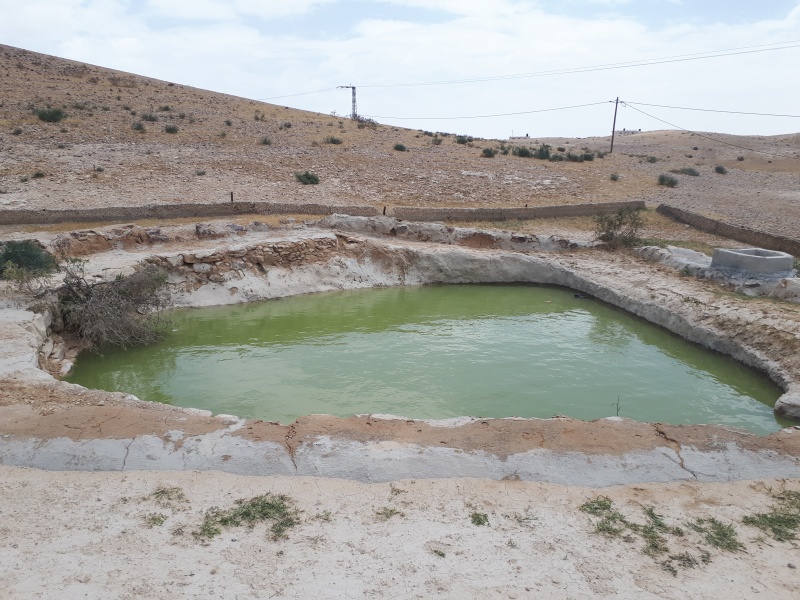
{"x":651,"y":159}
{"x":479,"y":519}
{"x":598,"y":507}
{"x":387,"y":512}
{"x":614,"y":177}
{"x":171,"y":129}
{"x":439,"y":553}
{"x":686,"y":171}
{"x":165,"y":496}
{"x":400,"y":147}
{"x":332,"y":140}
{"x":155,"y":519}
{"x":667,"y":180}
{"x":464,"y":139}
{"x":164,"y":108}
{"x":740,"y":158}
{"x":572,"y":157}
{"x":720,"y":169}
{"x":37,"y":174}
{"x":267,"y":507}
{"x":488,"y":153}
{"x":286,"y":125}
{"x":521,"y":152}
{"x":228,"y":122}
{"x":149,"y":117}
{"x":307,"y":178}
{"x":437,"y":141}
{"x":717,"y":534}
{"x":199,"y":172}
{"x":50,"y":115}
{"x":265,"y":141}
{"x":138,"y":126}
{"x":783,"y":519}
{"x":16,"y":131}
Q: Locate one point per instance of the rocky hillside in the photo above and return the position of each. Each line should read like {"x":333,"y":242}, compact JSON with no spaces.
{"x":125,"y":139}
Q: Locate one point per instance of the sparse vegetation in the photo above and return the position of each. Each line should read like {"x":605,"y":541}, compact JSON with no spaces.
{"x":437,"y":141}
{"x":720,"y":169}
{"x":171,"y":129}
{"x":783,"y":519}
{"x":155,"y":519}
{"x":50,"y":115}
{"x":164,"y":108}
{"x":479,"y":519}
{"x":138,"y":126}
{"x":228,"y":122}
{"x":667,"y":180}
{"x":572,"y":157}
{"x":199,"y":172}
{"x":387,"y":513}
{"x":38,"y":174}
{"x":332,"y":140}
{"x":686,"y":171}
{"x":400,"y":148}
{"x":651,"y":159}
{"x":717,"y":534}
{"x":614,"y":177}
{"x":16,"y":131}
{"x":307,"y":178}
{"x":488,"y":153}
{"x":149,"y":117}
{"x":265,"y":141}
{"x":464,"y":139}
{"x":619,"y":229}
{"x":740,"y":158}
{"x":521,"y":152}
{"x":268,"y":507}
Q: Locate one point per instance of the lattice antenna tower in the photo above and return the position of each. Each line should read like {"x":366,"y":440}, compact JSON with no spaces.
{"x":354,"y":115}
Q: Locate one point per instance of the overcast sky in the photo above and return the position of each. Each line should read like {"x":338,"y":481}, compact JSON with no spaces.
{"x":266,"y":48}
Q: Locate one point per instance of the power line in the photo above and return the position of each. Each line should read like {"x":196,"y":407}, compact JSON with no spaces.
{"x":606,"y":67}
{"x":786,"y":45}
{"x":525,"y":112}
{"x":708,"y":137}
{"x":730,"y":112}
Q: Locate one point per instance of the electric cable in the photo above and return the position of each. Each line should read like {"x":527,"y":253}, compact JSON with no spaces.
{"x":730,"y":112}
{"x":525,"y":112}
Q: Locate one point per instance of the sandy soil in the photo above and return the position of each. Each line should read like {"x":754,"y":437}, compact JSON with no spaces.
{"x":86,"y":535}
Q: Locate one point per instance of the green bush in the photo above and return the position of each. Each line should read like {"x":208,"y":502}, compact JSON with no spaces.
{"x":588,"y":156}
{"x":488,"y":152}
{"x":667,"y":180}
{"x":542,"y":152}
{"x":464,"y":139}
{"x":307,"y":178}
{"x":558,"y":157}
{"x":332,"y":140}
{"x":38,"y":174}
{"x":164,"y":108}
{"x":27,"y":255}
{"x":740,"y":158}
{"x":265,"y":141}
{"x":150,"y":117}
{"x":138,"y":126}
{"x":50,"y":115}
{"x":686,"y":171}
{"x":171,"y":129}
{"x":521,"y":152}
{"x":651,"y":159}
{"x":437,"y":141}
{"x":228,"y":122}
{"x":619,"y":229}
{"x":17,"y":131}
{"x":614,"y":177}
{"x":400,"y":147}
{"x":720,"y":169}
{"x":572,"y":157}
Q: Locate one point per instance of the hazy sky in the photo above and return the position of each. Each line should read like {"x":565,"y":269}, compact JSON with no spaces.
{"x":262,"y":49}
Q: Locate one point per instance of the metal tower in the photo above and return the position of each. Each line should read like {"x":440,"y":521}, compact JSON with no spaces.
{"x":354,"y":115}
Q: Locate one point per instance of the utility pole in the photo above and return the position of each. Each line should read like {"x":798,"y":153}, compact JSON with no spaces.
{"x":354,"y":115}
{"x":613,"y":127}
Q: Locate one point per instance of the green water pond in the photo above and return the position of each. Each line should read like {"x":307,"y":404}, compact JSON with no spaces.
{"x":435,"y":352}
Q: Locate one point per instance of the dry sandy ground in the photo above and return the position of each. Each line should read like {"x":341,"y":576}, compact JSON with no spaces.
{"x":86,"y":535}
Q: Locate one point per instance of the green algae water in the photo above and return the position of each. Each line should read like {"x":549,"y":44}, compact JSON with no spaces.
{"x":435,"y":352}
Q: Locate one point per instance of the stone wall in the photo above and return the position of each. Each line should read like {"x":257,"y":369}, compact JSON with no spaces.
{"x":752,"y":237}
{"x":413,"y":213}
{"x":174,"y":211}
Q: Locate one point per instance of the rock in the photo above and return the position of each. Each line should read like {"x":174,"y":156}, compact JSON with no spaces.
{"x":788,"y":405}
{"x":189,"y":258}
{"x":174,"y":261}
{"x":204,"y":230}
{"x":201,"y":267}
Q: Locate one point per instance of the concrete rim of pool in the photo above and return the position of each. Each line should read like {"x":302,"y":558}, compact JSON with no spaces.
{"x":336,"y":260}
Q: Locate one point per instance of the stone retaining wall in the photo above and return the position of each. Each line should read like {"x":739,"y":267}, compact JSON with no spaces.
{"x":175,"y":211}
{"x":753,"y":237}
{"x":413,"y":213}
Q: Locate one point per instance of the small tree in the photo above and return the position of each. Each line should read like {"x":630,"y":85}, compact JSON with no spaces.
{"x":619,"y":229}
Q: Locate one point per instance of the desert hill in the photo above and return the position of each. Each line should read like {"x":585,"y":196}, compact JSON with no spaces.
{"x":127,"y":140}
